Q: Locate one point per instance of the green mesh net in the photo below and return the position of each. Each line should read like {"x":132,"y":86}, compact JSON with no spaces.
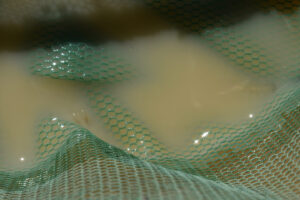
{"x":78,"y":61}
{"x":257,"y":159}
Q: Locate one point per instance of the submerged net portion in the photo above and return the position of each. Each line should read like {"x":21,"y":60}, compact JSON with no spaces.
{"x":257,"y":159}
{"x":78,"y":61}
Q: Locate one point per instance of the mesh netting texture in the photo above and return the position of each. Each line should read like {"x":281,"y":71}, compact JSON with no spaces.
{"x":257,"y":159}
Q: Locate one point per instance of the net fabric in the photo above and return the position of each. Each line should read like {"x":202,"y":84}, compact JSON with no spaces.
{"x":251,"y":160}
{"x":83,"y":166}
{"x":229,"y":152}
{"x":78,"y":61}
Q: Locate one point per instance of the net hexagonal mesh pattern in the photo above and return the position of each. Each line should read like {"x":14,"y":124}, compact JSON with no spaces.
{"x":79,"y":62}
{"x":257,"y":159}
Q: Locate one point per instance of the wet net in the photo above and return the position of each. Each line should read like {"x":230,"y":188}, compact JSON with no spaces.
{"x":256,"y":159}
